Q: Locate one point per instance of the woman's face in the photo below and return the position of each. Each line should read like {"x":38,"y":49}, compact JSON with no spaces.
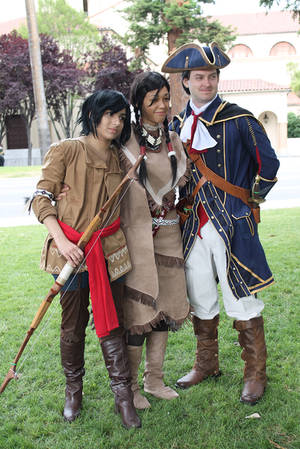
{"x":155,"y":106}
{"x":111,"y":125}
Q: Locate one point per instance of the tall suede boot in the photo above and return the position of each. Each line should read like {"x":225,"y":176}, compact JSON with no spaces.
{"x":116,"y":360}
{"x":252,"y":340}
{"x":135,"y":357}
{"x":156,"y":343}
{"x":207,"y":355}
{"x":72,"y":359}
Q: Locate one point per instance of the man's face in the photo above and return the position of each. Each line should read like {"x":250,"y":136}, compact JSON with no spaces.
{"x":203,"y":85}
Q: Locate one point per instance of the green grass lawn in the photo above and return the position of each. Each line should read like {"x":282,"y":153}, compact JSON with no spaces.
{"x":208,"y":416}
{"x":20,"y":172}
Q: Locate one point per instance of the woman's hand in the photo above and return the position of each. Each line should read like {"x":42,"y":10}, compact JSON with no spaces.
{"x":63,"y":193}
{"x":68,"y":249}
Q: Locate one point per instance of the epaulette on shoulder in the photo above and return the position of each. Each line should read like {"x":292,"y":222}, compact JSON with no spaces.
{"x":180,"y":117}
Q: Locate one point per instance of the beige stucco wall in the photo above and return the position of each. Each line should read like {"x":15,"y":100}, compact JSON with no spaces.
{"x":271,"y":103}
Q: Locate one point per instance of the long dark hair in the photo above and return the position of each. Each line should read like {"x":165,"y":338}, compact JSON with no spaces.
{"x":94,"y":107}
{"x":142,"y":84}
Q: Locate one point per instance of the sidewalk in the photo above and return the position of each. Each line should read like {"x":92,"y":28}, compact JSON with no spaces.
{"x":13,"y":191}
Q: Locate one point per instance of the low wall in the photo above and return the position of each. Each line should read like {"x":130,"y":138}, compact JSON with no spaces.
{"x":19,"y":157}
{"x":293,"y":147}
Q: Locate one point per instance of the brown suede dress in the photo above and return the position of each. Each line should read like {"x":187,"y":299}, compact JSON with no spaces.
{"x":155,"y":288}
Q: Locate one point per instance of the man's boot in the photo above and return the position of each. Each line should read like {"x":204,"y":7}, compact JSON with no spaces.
{"x":116,"y":360}
{"x":72,"y":360}
{"x":156,"y":343}
{"x":135,"y":357}
{"x":207,"y":356}
{"x":252,"y":340}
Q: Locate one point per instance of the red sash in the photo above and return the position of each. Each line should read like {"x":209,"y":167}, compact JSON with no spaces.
{"x":104,"y":311}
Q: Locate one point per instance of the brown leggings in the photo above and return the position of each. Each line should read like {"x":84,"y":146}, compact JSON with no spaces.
{"x":75,"y":313}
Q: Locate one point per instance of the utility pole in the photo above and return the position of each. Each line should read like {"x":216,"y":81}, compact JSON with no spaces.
{"x":37,"y":78}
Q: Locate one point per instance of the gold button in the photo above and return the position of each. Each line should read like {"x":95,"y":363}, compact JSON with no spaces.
{"x":204,"y":202}
{"x":212,"y":216}
{"x":219,"y":165}
{"x":218,"y":150}
{"x":218,"y":136}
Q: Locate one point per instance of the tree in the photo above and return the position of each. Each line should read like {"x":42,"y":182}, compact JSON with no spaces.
{"x":293,"y":125}
{"x":295,"y":77}
{"x":109,"y":67}
{"x":16,"y":81}
{"x":68,"y":26}
{"x":176,"y":21}
{"x":292,"y":5}
{"x":65,"y":82}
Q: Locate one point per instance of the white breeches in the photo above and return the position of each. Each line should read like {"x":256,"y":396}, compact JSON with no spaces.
{"x":206,"y":261}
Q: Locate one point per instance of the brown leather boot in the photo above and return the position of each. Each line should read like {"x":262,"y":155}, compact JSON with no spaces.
{"x":135,"y":357}
{"x":116,"y":360}
{"x":207,"y":357}
{"x":156,"y":343}
{"x":72,"y":359}
{"x":252,"y":340}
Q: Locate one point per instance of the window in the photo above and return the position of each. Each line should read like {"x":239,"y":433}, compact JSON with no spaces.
{"x":240,"y":51}
{"x":282,"y":49}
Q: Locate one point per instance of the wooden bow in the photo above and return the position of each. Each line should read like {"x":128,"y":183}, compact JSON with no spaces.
{"x":66,"y":272}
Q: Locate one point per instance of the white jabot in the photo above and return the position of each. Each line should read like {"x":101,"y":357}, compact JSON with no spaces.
{"x":202,"y":139}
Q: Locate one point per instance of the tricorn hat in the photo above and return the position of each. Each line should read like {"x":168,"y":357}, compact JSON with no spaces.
{"x":194,"y":57}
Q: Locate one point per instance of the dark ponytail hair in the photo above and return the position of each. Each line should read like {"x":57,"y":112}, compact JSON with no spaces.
{"x":142,"y":84}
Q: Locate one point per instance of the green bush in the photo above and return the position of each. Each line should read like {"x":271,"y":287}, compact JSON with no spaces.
{"x":293,"y":125}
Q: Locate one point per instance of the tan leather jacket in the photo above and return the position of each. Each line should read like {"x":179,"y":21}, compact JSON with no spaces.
{"x":77,"y":163}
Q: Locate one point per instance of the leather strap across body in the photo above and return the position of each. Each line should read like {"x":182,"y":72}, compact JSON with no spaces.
{"x":222,"y":184}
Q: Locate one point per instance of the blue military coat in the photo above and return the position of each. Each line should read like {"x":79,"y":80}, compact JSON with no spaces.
{"x":243,"y":150}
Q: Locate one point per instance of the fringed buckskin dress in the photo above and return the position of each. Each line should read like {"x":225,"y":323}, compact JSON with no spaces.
{"x":155,"y":288}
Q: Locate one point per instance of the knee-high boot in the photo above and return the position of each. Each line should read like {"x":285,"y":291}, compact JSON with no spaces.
{"x":72,"y":359}
{"x":252,"y":340}
{"x":116,"y":360}
{"x":156,"y":343}
{"x":207,"y":355}
{"x":135,"y":357}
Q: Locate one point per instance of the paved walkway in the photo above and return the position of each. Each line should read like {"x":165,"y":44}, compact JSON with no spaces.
{"x":14,"y":191}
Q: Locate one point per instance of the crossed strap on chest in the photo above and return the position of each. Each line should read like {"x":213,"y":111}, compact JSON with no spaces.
{"x":222,"y":184}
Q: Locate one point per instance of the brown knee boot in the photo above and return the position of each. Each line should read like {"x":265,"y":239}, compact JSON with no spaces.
{"x":72,"y":359}
{"x":252,"y":340}
{"x":207,"y":361}
{"x":156,"y":343}
{"x":116,"y":360}
{"x":135,"y":357}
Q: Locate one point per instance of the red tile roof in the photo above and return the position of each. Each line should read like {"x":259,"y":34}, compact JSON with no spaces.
{"x":249,"y":85}
{"x":261,"y":23}
{"x":7,"y":27}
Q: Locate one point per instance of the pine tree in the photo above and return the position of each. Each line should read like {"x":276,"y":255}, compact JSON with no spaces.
{"x":174,"y":22}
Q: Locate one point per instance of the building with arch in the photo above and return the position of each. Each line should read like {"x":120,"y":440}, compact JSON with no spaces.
{"x":258,"y":77}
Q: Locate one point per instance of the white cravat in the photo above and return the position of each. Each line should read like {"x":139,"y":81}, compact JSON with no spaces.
{"x":202,"y":139}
